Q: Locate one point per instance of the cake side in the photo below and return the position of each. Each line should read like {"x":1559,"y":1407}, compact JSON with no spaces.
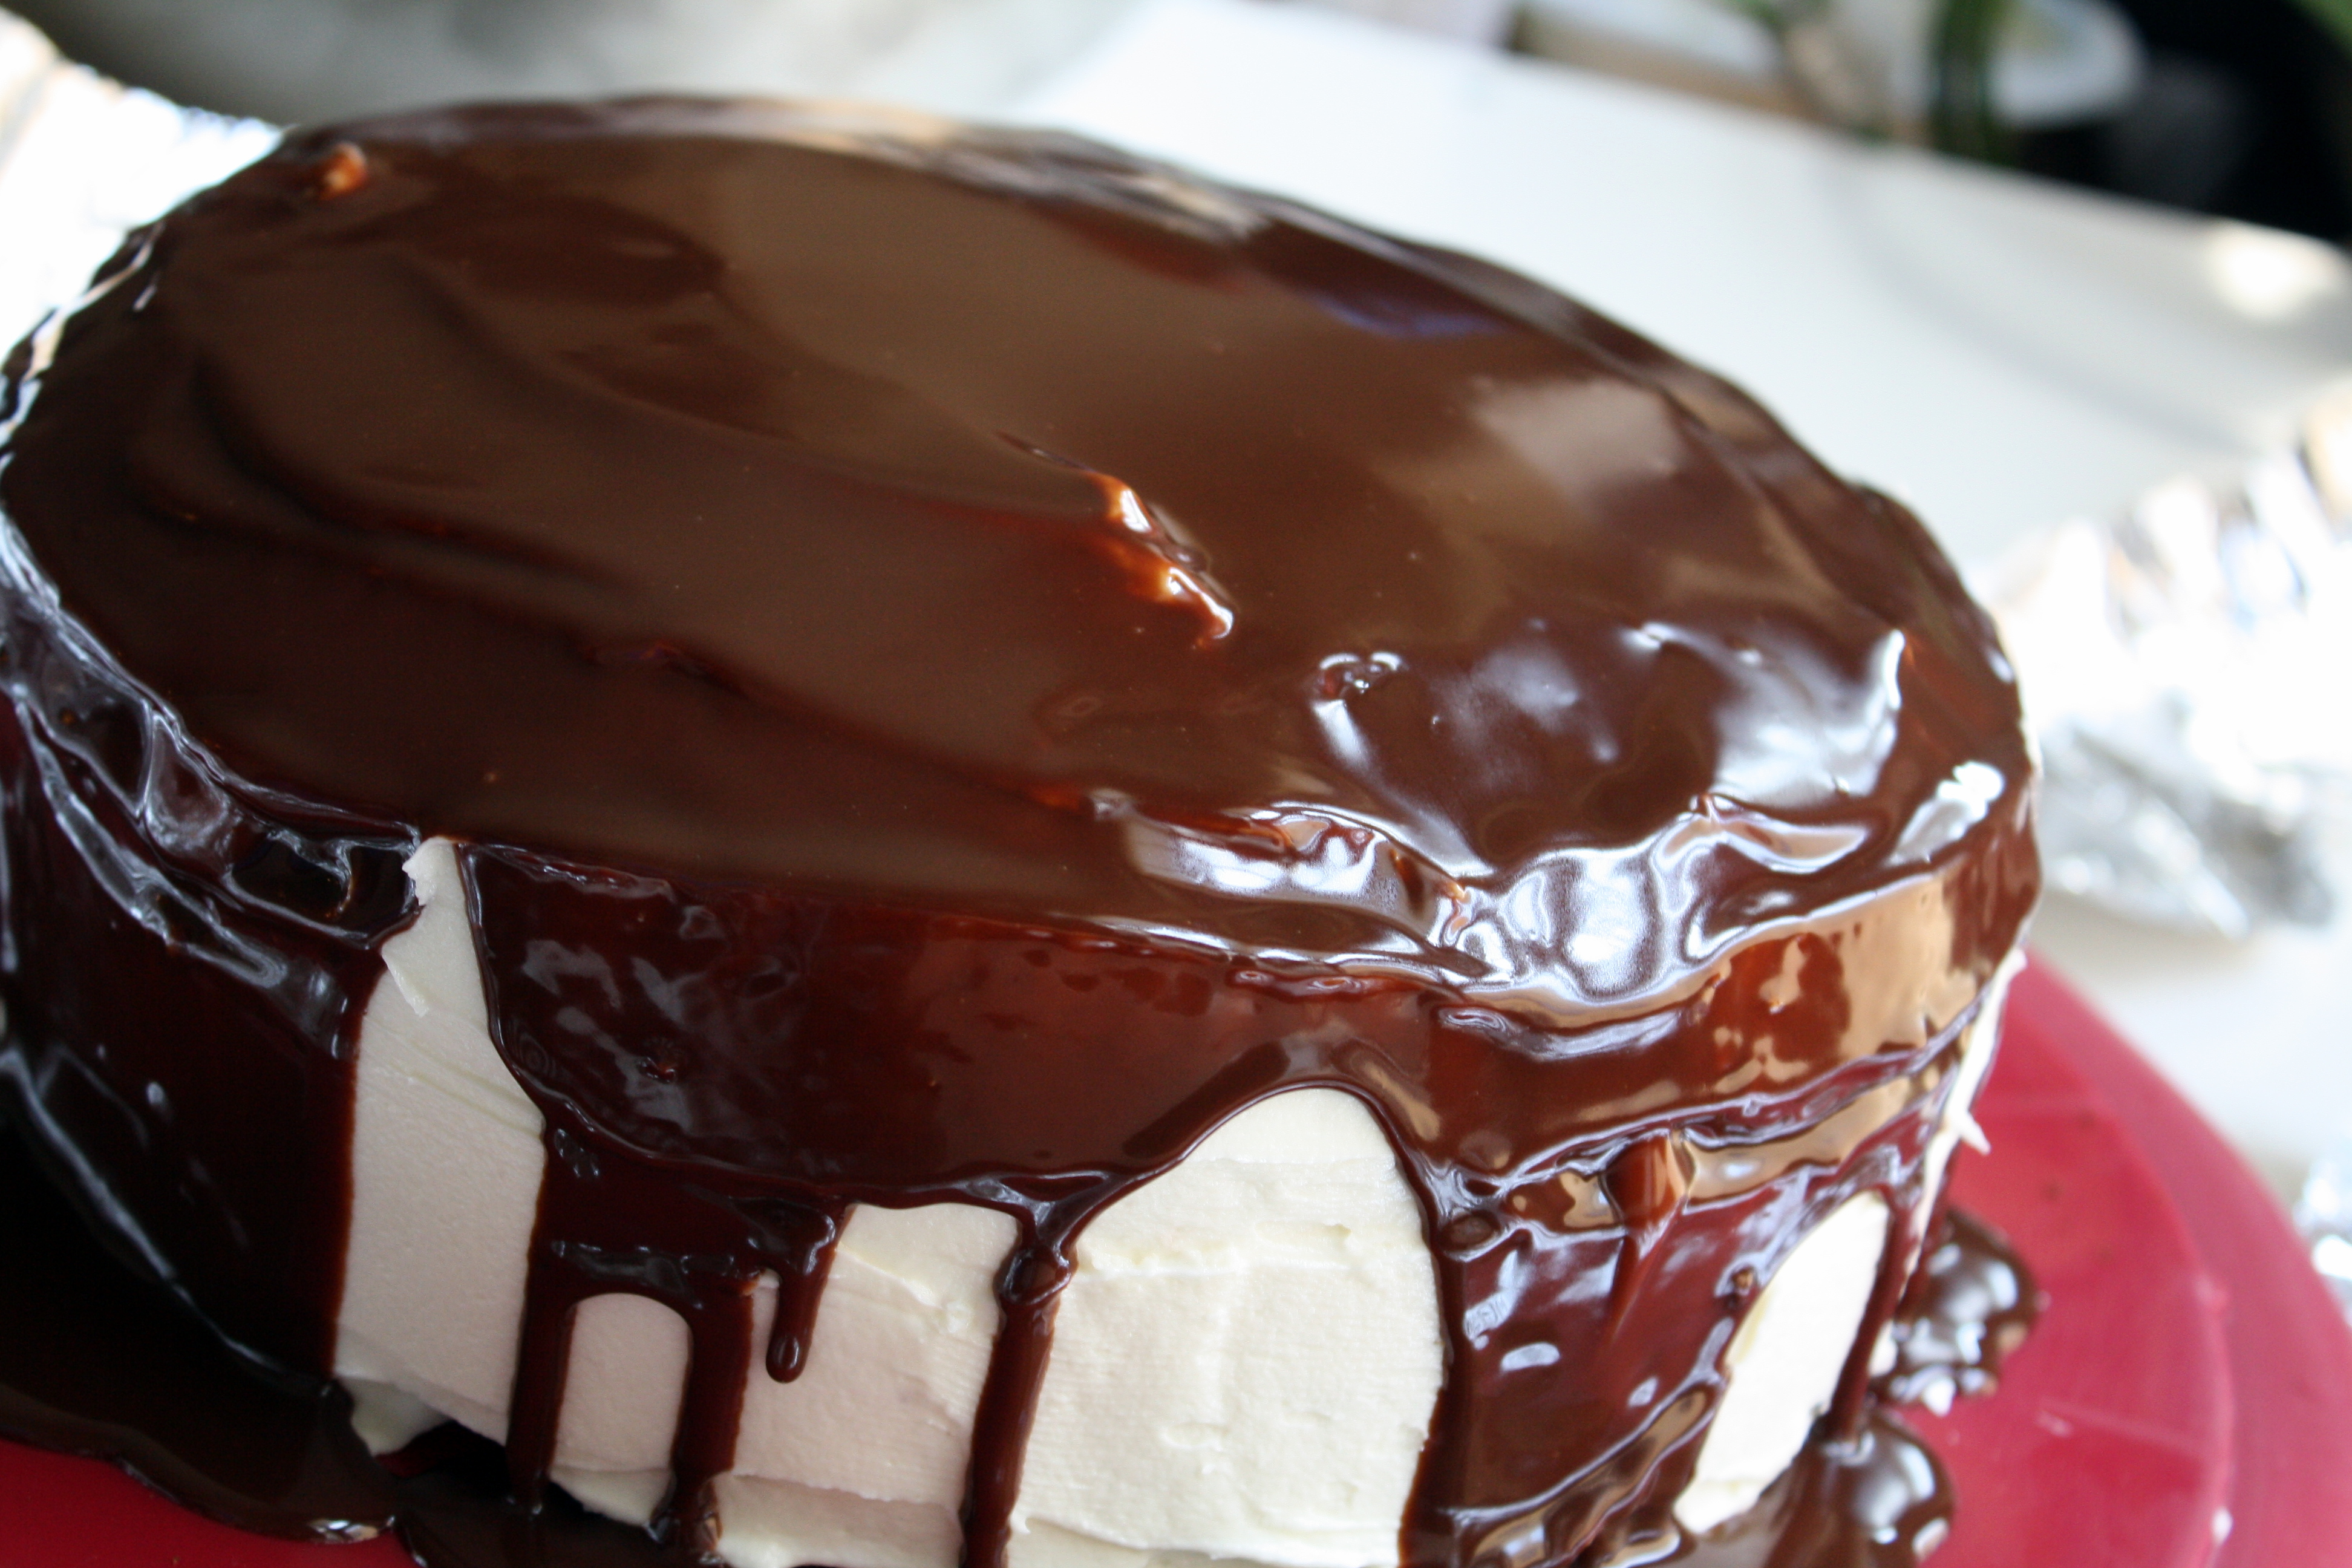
{"x":915,"y":740}
{"x":186,"y":961}
{"x":1834,"y":1142}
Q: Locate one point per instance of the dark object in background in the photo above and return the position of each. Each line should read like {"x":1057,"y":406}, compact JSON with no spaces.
{"x":2245,"y":112}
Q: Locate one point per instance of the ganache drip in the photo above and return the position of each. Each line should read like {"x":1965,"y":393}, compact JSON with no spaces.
{"x":96,"y":1359}
{"x":1970,"y":1304}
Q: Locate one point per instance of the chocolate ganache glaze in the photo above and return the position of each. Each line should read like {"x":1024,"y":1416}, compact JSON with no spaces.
{"x":956,"y":662}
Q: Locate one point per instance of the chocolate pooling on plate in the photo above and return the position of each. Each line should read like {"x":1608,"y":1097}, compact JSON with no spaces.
{"x":957,"y":661}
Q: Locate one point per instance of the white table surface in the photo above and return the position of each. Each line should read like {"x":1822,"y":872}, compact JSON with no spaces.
{"x":2002,"y":352}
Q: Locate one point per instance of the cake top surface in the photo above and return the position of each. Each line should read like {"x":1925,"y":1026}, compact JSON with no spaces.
{"x":991,"y":522}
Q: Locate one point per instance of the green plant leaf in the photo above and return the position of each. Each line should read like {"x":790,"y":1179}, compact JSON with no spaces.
{"x":1962,"y":117}
{"x":2336,"y":16}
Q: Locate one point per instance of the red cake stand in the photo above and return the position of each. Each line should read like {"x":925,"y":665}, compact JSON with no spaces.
{"x":2186,"y":1398}
{"x":2186,"y":1401}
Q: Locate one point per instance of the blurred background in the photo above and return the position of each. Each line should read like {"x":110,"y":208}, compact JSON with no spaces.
{"x":2237,"y":108}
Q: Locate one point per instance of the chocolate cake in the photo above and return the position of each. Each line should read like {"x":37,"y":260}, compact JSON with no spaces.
{"x":681,"y":684}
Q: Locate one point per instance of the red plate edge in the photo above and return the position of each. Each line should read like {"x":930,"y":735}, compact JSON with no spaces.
{"x":2113,"y":1427}
{"x":2289,"y":1354}
{"x":2096,"y":1454}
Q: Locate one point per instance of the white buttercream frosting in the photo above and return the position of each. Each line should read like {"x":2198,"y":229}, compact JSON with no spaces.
{"x":1243,"y":1368}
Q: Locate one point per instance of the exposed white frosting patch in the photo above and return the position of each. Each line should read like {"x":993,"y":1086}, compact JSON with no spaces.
{"x":446,"y":1162}
{"x":621,"y":1389}
{"x":1245,"y":1363}
{"x":1243,"y":1367}
{"x":774,"y":1523}
{"x":1782,"y":1368}
{"x":869,"y":1444}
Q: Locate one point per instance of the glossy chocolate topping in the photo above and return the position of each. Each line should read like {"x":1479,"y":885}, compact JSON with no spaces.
{"x":992,"y":523}
{"x":957,"y":662}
